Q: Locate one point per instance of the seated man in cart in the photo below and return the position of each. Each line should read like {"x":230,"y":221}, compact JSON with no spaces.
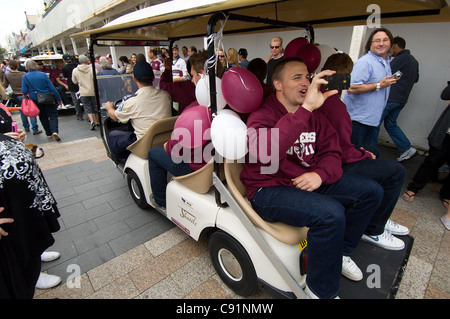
{"x":183,"y":92}
{"x":142,"y":109}
{"x":306,"y":185}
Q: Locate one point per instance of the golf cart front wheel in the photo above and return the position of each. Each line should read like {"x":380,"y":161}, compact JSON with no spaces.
{"x":136,"y":189}
{"x":233,"y":264}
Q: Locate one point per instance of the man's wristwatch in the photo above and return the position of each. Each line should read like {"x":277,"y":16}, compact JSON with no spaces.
{"x":378,"y":86}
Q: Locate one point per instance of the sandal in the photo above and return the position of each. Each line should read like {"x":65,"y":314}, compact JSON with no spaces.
{"x":409,"y":196}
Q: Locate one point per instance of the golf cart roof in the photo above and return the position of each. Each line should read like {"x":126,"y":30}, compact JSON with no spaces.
{"x":47,"y":57}
{"x":180,"y":19}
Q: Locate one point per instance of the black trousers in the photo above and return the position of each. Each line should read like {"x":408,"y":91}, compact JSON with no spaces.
{"x":429,"y":168}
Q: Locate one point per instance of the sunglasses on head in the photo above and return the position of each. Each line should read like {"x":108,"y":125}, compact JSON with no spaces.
{"x":275,"y":47}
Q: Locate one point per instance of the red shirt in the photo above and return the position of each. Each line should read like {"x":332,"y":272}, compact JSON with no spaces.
{"x":57,"y":73}
{"x":336,"y":112}
{"x":182,"y":92}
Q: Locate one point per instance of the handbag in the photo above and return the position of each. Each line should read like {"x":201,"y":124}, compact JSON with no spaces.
{"x":28,"y":107}
{"x":43,"y":98}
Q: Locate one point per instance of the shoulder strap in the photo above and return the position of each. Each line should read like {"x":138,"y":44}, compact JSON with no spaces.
{"x":30,"y":84}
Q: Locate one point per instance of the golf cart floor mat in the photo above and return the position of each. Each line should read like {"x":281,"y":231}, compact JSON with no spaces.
{"x":382,"y":269}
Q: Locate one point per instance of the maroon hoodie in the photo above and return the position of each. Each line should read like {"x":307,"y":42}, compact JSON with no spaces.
{"x":182,"y":92}
{"x":307,"y":143}
{"x":336,"y":112}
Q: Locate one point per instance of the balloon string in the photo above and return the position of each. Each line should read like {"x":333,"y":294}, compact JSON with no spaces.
{"x":218,"y":43}
{"x":240,"y":77}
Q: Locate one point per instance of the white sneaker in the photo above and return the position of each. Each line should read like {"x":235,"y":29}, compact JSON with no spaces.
{"x":47,"y":281}
{"x":50,"y":256}
{"x":396,"y":229}
{"x":407,"y":154}
{"x":312,"y":295}
{"x":385,"y":240}
{"x":350,"y":269}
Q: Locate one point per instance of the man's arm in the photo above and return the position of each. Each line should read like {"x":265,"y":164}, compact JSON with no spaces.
{"x":364,"y":88}
{"x":109,"y":106}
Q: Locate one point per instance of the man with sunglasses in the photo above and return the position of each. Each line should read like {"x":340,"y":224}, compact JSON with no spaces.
{"x":276,"y":55}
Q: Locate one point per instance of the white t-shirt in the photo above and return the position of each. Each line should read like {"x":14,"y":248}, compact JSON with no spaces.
{"x":144,"y":108}
{"x":179,"y":69}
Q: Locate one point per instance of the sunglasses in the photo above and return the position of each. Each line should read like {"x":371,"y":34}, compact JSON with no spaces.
{"x":221,"y":56}
{"x":275,"y":47}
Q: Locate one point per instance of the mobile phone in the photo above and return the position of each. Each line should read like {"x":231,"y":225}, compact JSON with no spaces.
{"x":13,"y":127}
{"x":397,"y":75}
{"x":338,"y":81}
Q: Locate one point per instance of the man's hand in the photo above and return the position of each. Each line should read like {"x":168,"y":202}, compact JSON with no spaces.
{"x":387,"y":81}
{"x":314,"y":97}
{"x":109,"y":106}
{"x":308,"y":181}
{"x":364,"y":88}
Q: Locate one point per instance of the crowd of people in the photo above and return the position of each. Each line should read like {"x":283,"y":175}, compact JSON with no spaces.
{"x":331,"y":177}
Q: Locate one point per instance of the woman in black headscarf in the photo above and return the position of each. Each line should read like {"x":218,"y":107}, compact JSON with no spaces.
{"x":28,"y":217}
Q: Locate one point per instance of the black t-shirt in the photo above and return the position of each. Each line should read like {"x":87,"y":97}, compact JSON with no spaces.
{"x":270,"y":67}
{"x":67,"y":72}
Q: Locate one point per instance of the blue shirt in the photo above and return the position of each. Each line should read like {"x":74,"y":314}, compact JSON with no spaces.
{"x":367,"y":108}
{"x":36,"y":81}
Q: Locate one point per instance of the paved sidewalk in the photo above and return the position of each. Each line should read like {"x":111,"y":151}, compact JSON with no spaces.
{"x":121,"y":251}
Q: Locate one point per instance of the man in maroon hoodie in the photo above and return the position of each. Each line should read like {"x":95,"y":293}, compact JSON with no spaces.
{"x":387,"y":172}
{"x":305,"y":185}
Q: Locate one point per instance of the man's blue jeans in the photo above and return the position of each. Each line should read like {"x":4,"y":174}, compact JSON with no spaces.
{"x":159,"y":163}
{"x":390,"y":115}
{"x":48,"y":116}
{"x":391,"y":175}
{"x":337,"y":216}
{"x":365,"y":136}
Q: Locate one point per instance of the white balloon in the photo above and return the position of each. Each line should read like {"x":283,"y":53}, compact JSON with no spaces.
{"x":229,"y":135}
{"x":230,"y":112}
{"x":325,"y":52}
{"x":203,"y":96}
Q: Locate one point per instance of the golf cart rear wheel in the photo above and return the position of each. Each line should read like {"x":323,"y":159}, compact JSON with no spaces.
{"x":233,"y":264}
{"x":136,"y":190}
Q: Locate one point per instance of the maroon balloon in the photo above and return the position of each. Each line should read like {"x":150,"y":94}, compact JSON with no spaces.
{"x":293,"y":46}
{"x":242,"y":90}
{"x":311,"y":55}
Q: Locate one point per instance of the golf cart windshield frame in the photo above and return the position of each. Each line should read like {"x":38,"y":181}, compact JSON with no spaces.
{"x":266,"y":24}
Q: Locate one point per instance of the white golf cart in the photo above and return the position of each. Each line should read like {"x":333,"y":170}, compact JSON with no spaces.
{"x":247,"y":252}
{"x":49,"y":61}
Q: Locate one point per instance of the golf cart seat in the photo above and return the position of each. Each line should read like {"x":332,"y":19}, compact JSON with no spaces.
{"x":201,"y":180}
{"x":287,"y":234}
{"x":156,"y":135}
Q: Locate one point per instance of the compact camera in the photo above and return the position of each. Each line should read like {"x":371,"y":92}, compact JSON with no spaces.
{"x":338,"y":81}
{"x":397,"y":75}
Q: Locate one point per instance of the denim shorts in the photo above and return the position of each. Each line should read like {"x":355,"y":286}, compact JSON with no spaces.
{"x":89,"y":104}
